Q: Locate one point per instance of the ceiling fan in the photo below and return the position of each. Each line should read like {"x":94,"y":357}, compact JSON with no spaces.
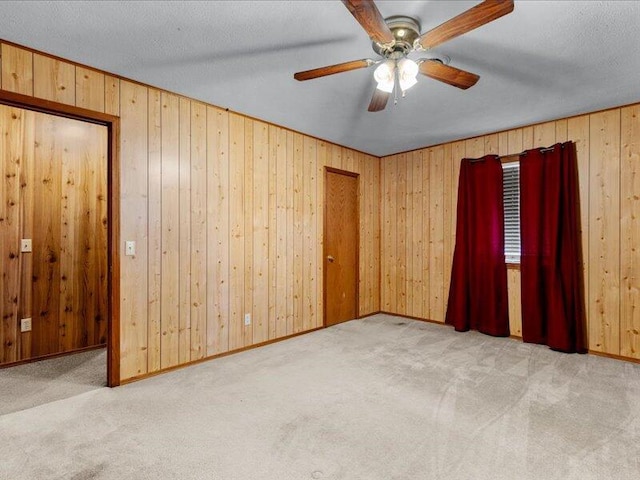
{"x":394,"y":38}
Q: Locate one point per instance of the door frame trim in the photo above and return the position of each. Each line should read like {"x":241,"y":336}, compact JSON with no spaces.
{"x":338,"y":171}
{"x":113,"y":218}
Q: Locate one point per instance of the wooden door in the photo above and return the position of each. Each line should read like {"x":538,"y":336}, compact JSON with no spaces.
{"x":55,"y":183}
{"x":340,"y":247}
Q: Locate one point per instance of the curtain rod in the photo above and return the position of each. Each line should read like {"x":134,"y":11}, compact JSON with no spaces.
{"x":542,"y":150}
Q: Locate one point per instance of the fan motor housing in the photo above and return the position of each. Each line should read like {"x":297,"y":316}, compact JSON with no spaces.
{"x":405,"y":30}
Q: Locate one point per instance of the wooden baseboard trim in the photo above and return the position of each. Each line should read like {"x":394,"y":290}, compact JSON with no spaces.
{"x":419,"y":319}
{"x":519,"y":338}
{"x":54,"y":355}
{"x":366,"y":315}
{"x":614,"y":356}
{"x":213,"y":357}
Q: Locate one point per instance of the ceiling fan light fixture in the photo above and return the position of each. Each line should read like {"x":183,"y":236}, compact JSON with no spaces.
{"x":384,"y":75}
{"x":407,"y":73}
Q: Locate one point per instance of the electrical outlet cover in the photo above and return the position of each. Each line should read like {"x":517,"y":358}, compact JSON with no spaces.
{"x":25,"y":325}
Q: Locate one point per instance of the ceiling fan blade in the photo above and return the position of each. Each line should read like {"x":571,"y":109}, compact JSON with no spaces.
{"x":378,"y":100}
{"x":368,"y":15}
{"x":332,"y":69}
{"x":473,"y":18}
{"x":448,"y":74}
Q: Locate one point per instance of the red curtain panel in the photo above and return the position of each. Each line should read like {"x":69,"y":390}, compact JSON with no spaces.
{"x":551,"y":258}
{"x":478,"y":293}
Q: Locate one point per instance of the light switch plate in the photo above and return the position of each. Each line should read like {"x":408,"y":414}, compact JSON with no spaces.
{"x":25,"y":245}
{"x":130,"y":248}
{"x":25,"y":325}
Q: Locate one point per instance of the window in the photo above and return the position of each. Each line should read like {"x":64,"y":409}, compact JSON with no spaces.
{"x":511,"y":194}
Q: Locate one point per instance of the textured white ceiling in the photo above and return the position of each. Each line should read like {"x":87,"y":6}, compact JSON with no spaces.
{"x":545,"y":60}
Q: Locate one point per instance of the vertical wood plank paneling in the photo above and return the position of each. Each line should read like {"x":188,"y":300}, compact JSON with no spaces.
{"x":561,"y":130}
{"x":425,"y":160}
{"x":385,"y":238}
{"x":61,"y":285}
{"x":247,"y":330}
{"x":27,"y":189}
{"x":447,"y":213}
{"x":237,"y":230}
{"x":290,"y":199}
{"x":12,"y":123}
{"x":133,"y":226}
{"x":528,"y":138}
{"x":630,"y":232}
{"x":604,"y":232}
{"x":17,"y":70}
{"x":184,"y":235}
{"x":282,"y":227}
{"x":348,"y":160}
{"x":515,"y":302}
{"x":411,"y":282}
{"x":503,"y":143}
{"x":90,"y":89}
{"x":491,"y":144}
{"x":298,"y":227}
{"x":310,"y":240}
{"x":514,"y":142}
{"x":198,"y":175}
{"x":458,"y":152}
{"x":474,"y":147}
{"x":70,"y":286}
{"x":308,"y":150}
{"x":111,"y":95}
{"x":54,"y":80}
{"x":401,"y":235}
{"x":260,"y":235}
{"x":322,"y":157}
{"x":99,"y":150}
{"x":418,"y":234}
{"x":374,"y":164}
{"x":219,"y":233}
{"x":273,"y":232}
{"x":578,"y":132}
{"x":47,"y":229}
{"x":544,"y":134}
{"x":335,"y":156}
{"x":154,"y":239}
{"x":365,"y":239}
{"x":436,"y":238}
{"x":170,"y":229}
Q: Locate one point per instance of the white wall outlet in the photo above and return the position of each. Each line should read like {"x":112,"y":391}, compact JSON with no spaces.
{"x":25,"y":325}
{"x":247,"y":319}
{"x":130,"y":248}
{"x":25,"y":245}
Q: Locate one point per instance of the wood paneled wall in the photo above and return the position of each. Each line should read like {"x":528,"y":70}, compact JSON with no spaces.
{"x":54,"y":190}
{"x":227,"y":213}
{"x":419,"y":194}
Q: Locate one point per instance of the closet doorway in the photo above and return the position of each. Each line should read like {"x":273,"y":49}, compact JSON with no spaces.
{"x":341,"y":246}
{"x":55,"y":226}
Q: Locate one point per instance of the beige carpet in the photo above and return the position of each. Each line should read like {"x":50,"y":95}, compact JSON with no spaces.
{"x":382,"y":398}
{"x":37,"y":383}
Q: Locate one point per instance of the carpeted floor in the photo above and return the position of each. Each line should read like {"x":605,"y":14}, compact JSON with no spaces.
{"x":382,"y":398}
{"x":33,"y":384}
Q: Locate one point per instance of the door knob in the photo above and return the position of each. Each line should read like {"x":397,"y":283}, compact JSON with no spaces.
{"x":330,"y":258}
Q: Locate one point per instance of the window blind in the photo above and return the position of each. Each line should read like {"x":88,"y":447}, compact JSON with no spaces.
{"x":511,"y":194}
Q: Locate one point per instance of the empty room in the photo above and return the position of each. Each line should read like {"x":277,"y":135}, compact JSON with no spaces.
{"x":320,"y":239}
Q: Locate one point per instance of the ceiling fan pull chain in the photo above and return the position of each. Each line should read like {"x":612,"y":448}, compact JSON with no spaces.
{"x":395,"y":85}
